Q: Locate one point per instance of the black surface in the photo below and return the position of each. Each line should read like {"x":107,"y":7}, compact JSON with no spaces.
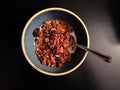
{"x":102,"y":20}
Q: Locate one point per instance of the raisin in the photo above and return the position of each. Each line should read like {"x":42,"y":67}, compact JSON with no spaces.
{"x":36,"y":32}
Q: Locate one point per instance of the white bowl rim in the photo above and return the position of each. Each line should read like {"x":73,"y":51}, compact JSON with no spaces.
{"x":23,"y":35}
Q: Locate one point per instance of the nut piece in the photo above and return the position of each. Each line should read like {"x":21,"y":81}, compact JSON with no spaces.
{"x":46,"y":39}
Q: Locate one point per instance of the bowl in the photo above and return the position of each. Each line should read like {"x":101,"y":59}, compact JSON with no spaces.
{"x":49,"y":14}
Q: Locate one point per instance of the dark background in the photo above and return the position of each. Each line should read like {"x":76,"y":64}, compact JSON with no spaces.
{"x":102,"y":20}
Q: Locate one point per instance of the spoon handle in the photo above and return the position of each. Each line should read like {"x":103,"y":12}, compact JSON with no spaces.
{"x":106,"y":58}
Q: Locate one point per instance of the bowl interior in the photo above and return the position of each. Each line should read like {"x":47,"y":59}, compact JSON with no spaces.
{"x":36,"y":21}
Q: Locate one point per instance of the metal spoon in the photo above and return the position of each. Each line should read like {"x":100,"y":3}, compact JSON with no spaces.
{"x":105,"y":58}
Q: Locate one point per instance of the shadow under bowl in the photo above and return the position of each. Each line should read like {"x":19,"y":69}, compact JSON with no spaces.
{"x":49,"y":14}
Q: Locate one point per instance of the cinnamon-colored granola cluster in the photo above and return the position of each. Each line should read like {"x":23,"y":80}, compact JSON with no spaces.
{"x":52,"y":40}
